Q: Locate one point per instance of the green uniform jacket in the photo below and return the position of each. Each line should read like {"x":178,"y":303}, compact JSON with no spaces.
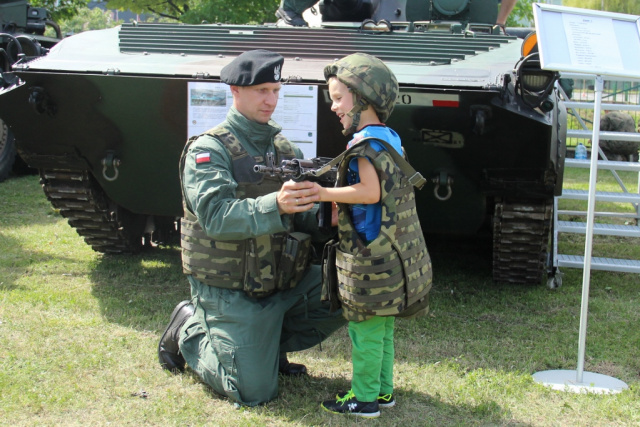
{"x":210,"y":188}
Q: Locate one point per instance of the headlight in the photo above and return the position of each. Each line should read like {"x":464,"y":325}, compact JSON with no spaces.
{"x":536,"y":81}
{"x":533,"y":84}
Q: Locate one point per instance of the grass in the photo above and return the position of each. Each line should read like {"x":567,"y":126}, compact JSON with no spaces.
{"x":79,"y":330}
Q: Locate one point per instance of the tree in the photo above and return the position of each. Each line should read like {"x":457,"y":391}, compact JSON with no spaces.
{"x":88,"y":19}
{"x":60,"y":9}
{"x":620,"y":6}
{"x":166,"y":8}
{"x":523,"y":10}
{"x":232,"y":12}
{"x":196,"y":11}
{"x":522,"y":14}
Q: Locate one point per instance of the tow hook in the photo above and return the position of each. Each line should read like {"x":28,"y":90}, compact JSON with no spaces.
{"x":110,"y":162}
{"x":442,"y":179}
{"x":482,"y":113}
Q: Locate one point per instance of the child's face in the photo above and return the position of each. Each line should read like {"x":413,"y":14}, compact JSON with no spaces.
{"x":342,"y":101}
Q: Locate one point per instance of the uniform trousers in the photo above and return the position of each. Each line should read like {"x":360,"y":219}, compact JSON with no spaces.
{"x":233,"y":341}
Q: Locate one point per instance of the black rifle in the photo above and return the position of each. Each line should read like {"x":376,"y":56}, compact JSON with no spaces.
{"x":306,"y":170}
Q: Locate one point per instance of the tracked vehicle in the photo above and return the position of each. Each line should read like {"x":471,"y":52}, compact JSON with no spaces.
{"x":105,"y":114}
{"x":22,"y":29}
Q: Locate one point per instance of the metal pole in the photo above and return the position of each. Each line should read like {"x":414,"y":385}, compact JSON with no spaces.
{"x":588,"y":244}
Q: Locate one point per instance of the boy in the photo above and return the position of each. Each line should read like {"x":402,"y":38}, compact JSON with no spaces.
{"x":384,"y":269}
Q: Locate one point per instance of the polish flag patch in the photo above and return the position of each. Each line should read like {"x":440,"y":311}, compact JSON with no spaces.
{"x":203,"y":158}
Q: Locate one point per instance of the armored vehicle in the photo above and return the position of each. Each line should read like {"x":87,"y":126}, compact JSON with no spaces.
{"x":21,"y":35}
{"x":105,"y":114}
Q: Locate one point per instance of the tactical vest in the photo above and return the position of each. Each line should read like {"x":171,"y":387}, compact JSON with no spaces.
{"x":390,"y":276}
{"x":259,"y":265}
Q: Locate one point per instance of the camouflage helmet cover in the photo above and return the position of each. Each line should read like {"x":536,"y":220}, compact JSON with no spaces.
{"x":370,"y":78}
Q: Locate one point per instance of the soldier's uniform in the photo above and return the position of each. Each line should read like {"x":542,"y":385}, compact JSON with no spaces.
{"x":248,"y":307}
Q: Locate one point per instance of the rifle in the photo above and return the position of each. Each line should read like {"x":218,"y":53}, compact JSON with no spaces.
{"x":306,"y":170}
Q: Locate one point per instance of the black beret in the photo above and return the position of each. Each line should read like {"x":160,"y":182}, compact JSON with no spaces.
{"x":253,"y":67}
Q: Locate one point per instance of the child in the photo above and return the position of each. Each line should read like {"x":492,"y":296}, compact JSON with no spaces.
{"x":384,"y":267}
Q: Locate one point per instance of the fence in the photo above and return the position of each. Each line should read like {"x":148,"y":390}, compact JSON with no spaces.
{"x":581,"y":89}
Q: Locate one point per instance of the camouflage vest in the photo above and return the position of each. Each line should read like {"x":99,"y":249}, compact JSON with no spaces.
{"x":259,"y":265}
{"x":391,"y":276}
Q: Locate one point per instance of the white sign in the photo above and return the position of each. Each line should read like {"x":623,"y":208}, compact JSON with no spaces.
{"x":587,"y":41}
{"x":297,"y":111}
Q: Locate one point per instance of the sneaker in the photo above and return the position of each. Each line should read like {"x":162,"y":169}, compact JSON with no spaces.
{"x":386,"y":400}
{"x":348,"y":404}
{"x":290,"y":18}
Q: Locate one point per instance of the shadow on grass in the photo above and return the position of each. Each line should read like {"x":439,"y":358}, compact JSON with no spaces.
{"x":24,"y":202}
{"x":140,"y":290}
{"x":474,"y":324}
{"x":412,"y":408}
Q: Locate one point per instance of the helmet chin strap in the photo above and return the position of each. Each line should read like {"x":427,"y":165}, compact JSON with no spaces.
{"x":359,"y":104}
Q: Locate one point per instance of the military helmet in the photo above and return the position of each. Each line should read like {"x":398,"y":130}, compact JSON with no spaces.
{"x":370,"y":78}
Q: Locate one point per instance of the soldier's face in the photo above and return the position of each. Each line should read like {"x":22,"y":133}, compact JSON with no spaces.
{"x":342,"y":101}
{"x":257,"y":102}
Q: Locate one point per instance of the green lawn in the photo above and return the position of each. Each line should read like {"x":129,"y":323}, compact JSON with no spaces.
{"x":79,"y":330}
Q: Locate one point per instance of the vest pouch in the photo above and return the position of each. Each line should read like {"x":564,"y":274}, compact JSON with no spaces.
{"x":294,"y":260}
{"x":371,"y":285}
{"x":260,"y":274}
{"x":330,"y":276}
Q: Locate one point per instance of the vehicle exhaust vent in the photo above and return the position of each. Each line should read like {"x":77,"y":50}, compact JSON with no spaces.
{"x":314,"y":43}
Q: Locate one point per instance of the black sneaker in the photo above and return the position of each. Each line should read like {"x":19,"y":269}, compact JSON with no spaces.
{"x":290,"y":18}
{"x":348,"y":404}
{"x":386,"y":400}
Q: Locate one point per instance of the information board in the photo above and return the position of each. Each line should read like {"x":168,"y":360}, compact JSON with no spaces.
{"x":587,"y":41}
{"x":297,"y":112}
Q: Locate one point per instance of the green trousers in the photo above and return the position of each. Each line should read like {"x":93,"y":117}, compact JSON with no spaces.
{"x":233,"y":341}
{"x":372,"y":357}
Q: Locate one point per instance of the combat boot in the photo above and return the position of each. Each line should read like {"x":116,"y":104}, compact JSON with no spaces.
{"x":168,"y":349}
{"x":292,"y":369}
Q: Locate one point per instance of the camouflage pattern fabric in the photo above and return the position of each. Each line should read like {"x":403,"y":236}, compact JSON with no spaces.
{"x":391,"y":276}
{"x":370,"y":78}
{"x":253,"y":265}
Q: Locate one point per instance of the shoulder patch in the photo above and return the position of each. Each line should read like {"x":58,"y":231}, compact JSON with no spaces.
{"x":203,"y":157}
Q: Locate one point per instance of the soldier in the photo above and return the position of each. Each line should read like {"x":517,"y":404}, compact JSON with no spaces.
{"x":245,"y":241}
{"x":290,"y":11}
{"x":384,"y":269}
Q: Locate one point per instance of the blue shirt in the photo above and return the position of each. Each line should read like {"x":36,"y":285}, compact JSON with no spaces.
{"x":367,"y":218}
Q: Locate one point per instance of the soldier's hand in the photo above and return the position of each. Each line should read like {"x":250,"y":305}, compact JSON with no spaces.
{"x":296,"y":197}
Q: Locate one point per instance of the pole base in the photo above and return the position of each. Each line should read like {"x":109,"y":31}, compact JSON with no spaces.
{"x":567,"y":380}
